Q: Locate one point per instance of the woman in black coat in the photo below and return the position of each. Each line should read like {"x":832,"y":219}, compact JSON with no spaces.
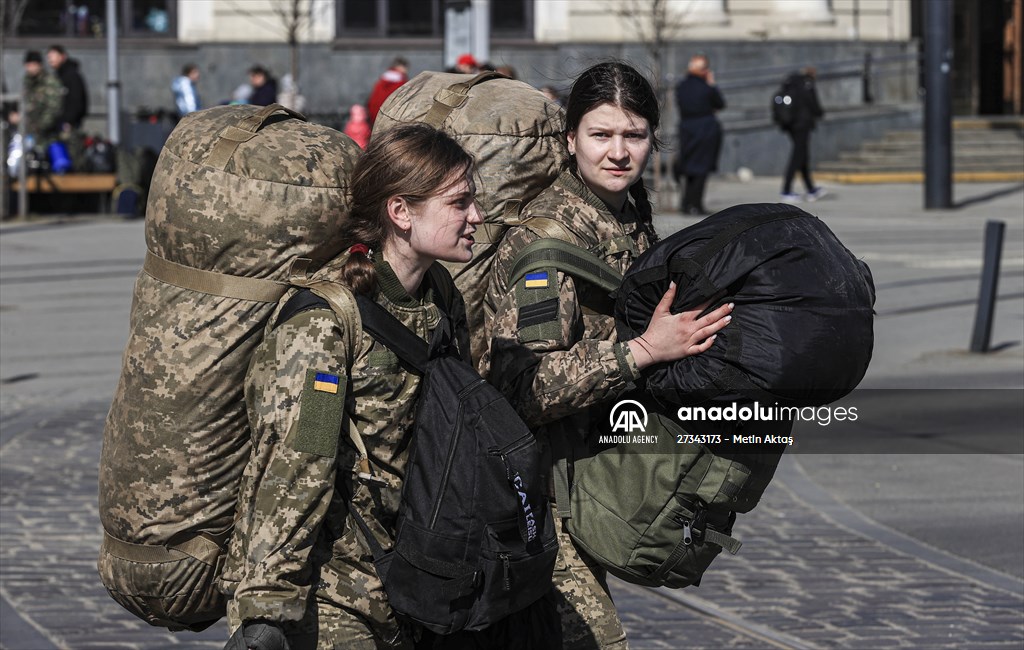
{"x":700,"y":133}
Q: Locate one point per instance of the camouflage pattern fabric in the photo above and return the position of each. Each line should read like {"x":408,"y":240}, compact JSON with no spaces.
{"x":295,"y":542}
{"x":176,"y":438}
{"x":555,"y":354}
{"x":44,"y":96}
{"x":514,"y":133}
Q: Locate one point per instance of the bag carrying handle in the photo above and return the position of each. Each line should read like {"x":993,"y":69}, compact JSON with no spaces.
{"x":243,"y":131}
{"x":454,"y":96}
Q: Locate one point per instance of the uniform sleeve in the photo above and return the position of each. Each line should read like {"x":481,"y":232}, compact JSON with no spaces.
{"x":539,"y":355}
{"x":50,"y":105}
{"x":295,"y":394}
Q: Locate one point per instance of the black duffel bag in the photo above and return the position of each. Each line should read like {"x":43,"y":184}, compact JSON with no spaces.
{"x":801,"y":332}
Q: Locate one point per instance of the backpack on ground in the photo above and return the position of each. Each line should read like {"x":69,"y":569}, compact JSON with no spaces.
{"x":783,"y":105}
{"x":239,"y":195}
{"x":515,"y":134}
{"x":801,"y":334}
{"x":475,"y":539}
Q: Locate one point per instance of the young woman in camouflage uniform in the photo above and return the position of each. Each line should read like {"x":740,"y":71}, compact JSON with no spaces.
{"x":553,"y":346}
{"x":298,"y":567}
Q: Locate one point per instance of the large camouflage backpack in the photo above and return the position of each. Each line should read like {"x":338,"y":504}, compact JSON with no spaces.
{"x":239,"y":194}
{"x":516,"y":135}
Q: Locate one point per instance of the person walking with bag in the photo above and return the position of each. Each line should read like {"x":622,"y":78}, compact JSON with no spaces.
{"x":806,"y":112}
{"x":700,"y":132}
{"x":298,"y":573}
{"x":553,"y":348}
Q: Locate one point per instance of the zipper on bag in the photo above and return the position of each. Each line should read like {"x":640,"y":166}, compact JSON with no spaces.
{"x":452,"y":445}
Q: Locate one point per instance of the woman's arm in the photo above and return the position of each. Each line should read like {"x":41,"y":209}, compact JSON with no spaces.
{"x":295,"y":394}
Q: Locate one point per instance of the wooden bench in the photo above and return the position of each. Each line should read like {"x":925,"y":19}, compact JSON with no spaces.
{"x":102,"y":184}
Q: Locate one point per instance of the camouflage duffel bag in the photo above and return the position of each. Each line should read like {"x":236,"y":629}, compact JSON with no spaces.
{"x":239,"y":194}
{"x":515,"y":133}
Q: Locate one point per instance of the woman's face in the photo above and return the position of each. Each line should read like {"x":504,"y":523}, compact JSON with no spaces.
{"x":612,"y":147}
{"x":442,"y":227}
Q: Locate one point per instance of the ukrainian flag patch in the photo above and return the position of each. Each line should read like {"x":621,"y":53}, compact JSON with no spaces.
{"x":538,"y":280}
{"x":326,"y":383}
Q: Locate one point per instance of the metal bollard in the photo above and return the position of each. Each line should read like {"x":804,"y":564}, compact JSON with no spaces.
{"x":982,"y":335}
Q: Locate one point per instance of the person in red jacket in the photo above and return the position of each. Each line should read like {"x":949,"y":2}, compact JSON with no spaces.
{"x":396,"y":75}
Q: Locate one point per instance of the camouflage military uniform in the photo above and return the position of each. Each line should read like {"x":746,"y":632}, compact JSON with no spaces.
{"x":44,"y":96}
{"x":556,"y":370}
{"x":296,"y":556}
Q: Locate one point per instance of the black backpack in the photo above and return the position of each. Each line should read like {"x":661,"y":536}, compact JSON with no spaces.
{"x":475,"y":538}
{"x":784,"y":105}
{"x":801,"y":333}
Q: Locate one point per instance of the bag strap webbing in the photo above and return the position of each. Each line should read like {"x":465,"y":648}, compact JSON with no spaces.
{"x":211,"y":282}
{"x":390,"y":331}
{"x":198,"y":546}
{"x":454,"y":96}
{"x":568,"y":258}
{"x":243,"y":131}
{"x":560,"y":474}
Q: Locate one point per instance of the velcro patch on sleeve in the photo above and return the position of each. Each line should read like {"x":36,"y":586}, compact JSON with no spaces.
{"x":321,"y":412}
{"x":537,"y":297}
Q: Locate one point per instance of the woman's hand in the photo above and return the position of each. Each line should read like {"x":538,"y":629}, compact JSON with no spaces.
{"x":670,"y":337}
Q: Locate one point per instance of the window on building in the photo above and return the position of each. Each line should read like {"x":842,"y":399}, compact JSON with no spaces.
{"x":87,"y":18}
{"x":425,"y":18}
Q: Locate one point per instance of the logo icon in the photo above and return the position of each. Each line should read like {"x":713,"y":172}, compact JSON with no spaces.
{"x":629,"y":416}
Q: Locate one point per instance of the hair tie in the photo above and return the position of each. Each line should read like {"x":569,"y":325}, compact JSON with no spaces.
{"x":359,"y":248}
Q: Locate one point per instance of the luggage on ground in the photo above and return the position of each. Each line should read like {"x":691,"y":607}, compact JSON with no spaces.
{"x":516,"y":135}
{"x":238,"y":195}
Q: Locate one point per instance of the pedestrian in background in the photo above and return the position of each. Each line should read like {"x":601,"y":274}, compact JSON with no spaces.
{"x":75,"y":103}
{"x":807,"y":111}
{"x":700,"y":133}
{"x":390,"y":80}
{"x":43,"y":100}
{"x":186,"y":97}
{"x":357,"y":127}
{"x":264,"y":86}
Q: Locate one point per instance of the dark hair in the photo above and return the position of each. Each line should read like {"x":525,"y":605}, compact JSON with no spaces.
{"x":621,"y":85}
{"x":57,"y":48}
{"x":399,"y":61}
{"x":33,"y":56}
{"x":258,"y":69}
{"x":188,"y":68}
{"x":413,"y":161}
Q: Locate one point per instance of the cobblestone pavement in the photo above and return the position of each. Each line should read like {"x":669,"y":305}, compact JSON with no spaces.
{"x":801,"y":580}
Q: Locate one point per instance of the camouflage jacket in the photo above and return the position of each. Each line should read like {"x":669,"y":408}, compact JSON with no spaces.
{"x":44,"y":96}
{"x":294,"y":542}
{"x":554,"y":350}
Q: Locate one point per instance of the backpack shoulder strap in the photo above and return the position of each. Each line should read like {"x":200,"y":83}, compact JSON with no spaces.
{"x":568,"y":258}
{"x":390,"y":331}
{"x":303,"y":300}
{"x":443,"y":285}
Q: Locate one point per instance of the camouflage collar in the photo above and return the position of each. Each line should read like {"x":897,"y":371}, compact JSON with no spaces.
{"x":569,"y":181}
{"x":392,"y":288}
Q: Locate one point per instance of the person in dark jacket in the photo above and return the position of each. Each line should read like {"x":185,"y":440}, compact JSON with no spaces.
{"x":76,"y":97}
{"x":264,"y":87}
{"x":700,"y":133}
{"x":806,"y":113}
